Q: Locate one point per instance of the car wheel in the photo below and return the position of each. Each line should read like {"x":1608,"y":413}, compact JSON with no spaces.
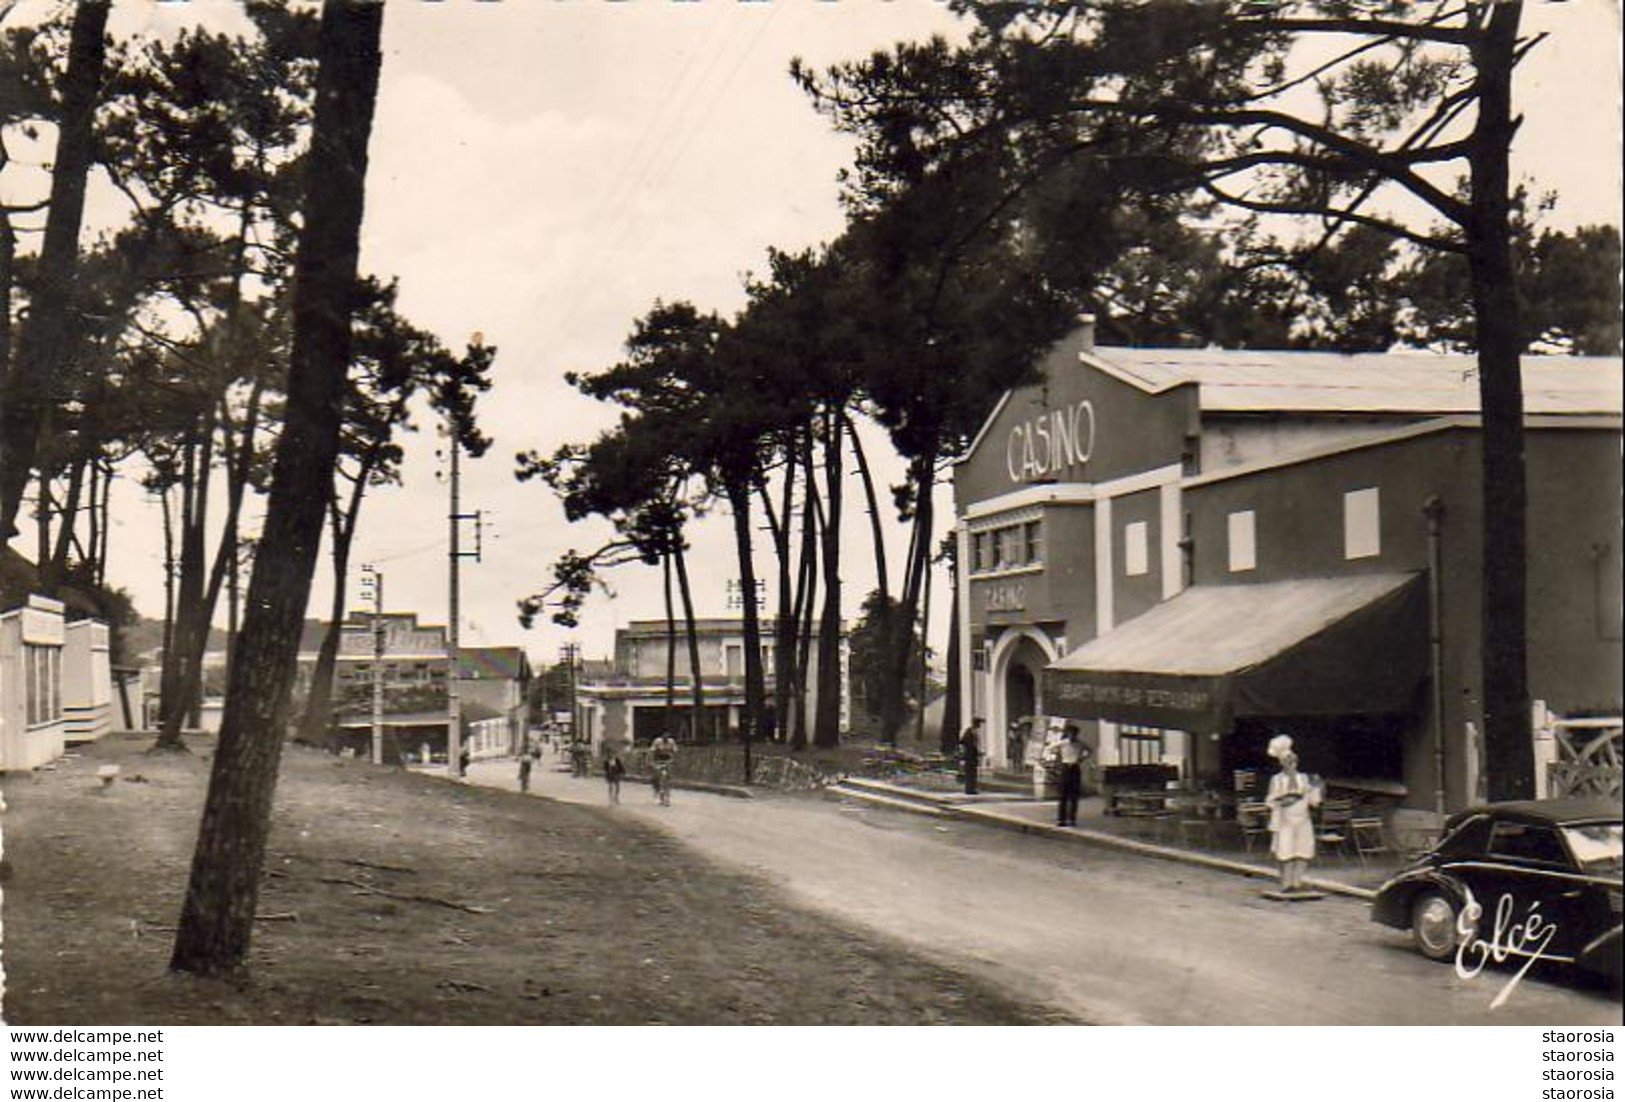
{"x":1433,"y":925}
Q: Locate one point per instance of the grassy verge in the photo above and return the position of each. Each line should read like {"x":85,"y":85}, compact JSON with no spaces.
{"x":395,"y":898}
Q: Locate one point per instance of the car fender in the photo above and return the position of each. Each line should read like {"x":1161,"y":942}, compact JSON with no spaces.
{"x":1601,"y":955}
{"x":1393,"y":901}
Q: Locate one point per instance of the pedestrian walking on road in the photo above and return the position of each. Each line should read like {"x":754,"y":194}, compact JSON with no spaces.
{"x":614,"y":770}
{"x":1291,"y":796}
{"x":1071,"y":753}
{"x":970,"y":749}
{"x":525,"y":763}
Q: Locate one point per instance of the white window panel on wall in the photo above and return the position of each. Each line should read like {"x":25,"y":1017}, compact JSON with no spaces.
{"x":1243,"y":541}
{"x":1362,"y":524}
{"x":1136,"y":548}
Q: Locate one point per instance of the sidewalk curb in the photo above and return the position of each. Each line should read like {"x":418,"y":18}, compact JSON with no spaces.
{"x":925,"y":804}
{"x":680,"y":785}
{"x":913,"y":807}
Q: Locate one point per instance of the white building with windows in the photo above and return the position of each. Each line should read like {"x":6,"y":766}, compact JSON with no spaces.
{"x":1183,"y":550}
{"x":627,"y":701}
{"x":33,"y":730}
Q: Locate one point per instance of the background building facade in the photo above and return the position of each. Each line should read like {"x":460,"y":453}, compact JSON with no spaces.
{"x":1186,"y":550}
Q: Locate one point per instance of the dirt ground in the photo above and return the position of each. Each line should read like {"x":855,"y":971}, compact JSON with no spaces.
{"x":395,"y":898}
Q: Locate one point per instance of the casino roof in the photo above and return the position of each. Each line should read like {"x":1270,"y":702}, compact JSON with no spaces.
{"x":1237,"y":381}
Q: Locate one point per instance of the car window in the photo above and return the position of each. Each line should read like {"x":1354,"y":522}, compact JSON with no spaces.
{"x":1528,"y":842}
{"x":1596,"y":846}
{"x":1468,"y":839}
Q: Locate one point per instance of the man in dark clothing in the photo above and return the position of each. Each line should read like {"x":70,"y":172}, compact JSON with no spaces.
{"x":1072,"y":754}
{"x":970,"y":747}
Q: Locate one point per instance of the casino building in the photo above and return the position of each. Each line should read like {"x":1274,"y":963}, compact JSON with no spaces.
{"x":1186,"y":550}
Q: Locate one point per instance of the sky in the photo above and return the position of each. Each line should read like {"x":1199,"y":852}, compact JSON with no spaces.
{"x":542,"y":172}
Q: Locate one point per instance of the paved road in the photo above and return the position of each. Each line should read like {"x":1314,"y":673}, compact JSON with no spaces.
{"x":1110,"y":938}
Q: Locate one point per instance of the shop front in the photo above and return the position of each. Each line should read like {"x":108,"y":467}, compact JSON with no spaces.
{"x":1186,"y":551}
{"x":1339,"y":663}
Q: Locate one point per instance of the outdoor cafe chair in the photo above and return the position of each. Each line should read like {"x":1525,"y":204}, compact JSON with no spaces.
{"x":1253,"y":820}
{"x":1333,"y":829}
{"x":1366,"y":833}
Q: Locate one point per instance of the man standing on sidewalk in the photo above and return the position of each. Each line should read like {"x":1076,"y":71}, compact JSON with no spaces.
{"x":1073,"y":753}
{"x":970,"y":748}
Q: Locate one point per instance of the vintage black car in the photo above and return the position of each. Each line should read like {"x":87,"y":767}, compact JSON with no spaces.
{"x":1536,"y":877}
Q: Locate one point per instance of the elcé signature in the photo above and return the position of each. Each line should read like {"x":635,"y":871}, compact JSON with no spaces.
{"x":1528,"y":939}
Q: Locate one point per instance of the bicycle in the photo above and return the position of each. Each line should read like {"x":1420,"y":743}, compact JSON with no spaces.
{"x":662,"y":783}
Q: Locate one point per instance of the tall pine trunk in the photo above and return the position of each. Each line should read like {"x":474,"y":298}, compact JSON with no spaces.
{"x":318,"y":717}
{"x":49,"y":335}
{"x":907,"y":613}
{"x":738,"y":490}
{"x":180,"y":677}
{"x":1509,"y":755}
{"x":784,"y":621}
{"x":670,"y":709}
{"x":827,"y":719}
{"x":877,"y":529}
{"x":948,"y":736}
{"x":217,"y":918}
{"x":54,"y":571}
{"x":806,"y":593}
{"x":691,"y":629}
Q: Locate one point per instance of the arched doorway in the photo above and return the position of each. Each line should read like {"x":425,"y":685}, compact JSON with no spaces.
{"x":1020,"y":691}
{"x":1019,"y":659}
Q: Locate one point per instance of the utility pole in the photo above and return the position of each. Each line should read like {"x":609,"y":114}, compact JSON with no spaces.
{"x":454,"y":705}
{"x":569,"y":655}
{"x":372,"y":584}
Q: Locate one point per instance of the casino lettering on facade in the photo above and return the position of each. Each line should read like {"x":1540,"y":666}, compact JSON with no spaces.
{"x":1053,"y":441}
{"x":1006,"y":597}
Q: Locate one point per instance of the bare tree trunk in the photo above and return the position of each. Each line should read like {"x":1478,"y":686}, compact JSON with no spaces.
{"x":105,"y":510}
{"x":190,"y":637}
{"x":1509,"y":755}
{"x":42,"y":518}
{"x":94,"y":520}
{"x":877,"y":531}
{"x":55,"y":570}
{"x":827,"y":720}
{"x":738,"y":491}
{"x":925,"y":656}
{"x":948,"y":736}
{"x":806,"y":593}
{"x":201,"y":581}
{"x":217,"y":919}
{"x":784,"y":623}
{"x":918,"y":569}
{"x":8,"y":282}
{"x":666,"y":721}
{"x":314,"y":724}
{"x":692,"y":630}
{"x":46,"y":344}
{"x":169,"y":573}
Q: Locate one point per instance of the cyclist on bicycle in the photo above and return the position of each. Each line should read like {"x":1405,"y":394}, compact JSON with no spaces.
{"x":662,"y":752}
